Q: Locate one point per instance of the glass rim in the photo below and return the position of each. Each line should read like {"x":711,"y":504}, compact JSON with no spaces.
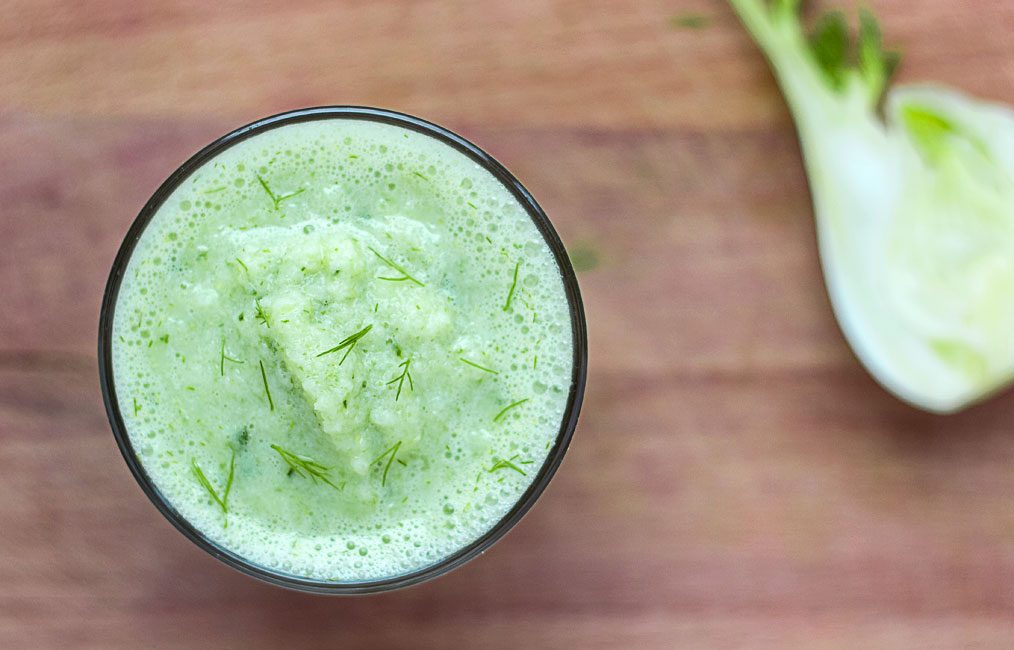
{"x":570,"y":414}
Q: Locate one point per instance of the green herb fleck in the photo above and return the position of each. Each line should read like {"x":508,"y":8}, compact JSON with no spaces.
{"x":421,"y":176}
{"x":584,"y":258}
{"x":243,"y":265}
{"x":475,"y":365}
{"x":501,"y":414}
{"x":689,"y":21}
{"x":261,"y":315}
{"x":401,"y":378}
{"x":506,"y":463}
{"x":222,"y":501}
{"x":348,"y":343}
{"x":223,"y":357}
{"x":267,"y":391}
{"x":393,"y":450}
{"x":472,"y":205}
{"x":399,"y":269}
{"x":137,"y":407}
{"x":164,"y":338}
{"x":306,"y":467}
{"x":514,"y":285}
{"x":275,"y":198}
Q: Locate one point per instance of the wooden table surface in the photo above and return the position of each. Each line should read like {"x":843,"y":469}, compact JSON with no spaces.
{"x":737,"y":480}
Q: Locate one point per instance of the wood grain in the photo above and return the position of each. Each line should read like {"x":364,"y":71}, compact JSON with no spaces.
{"x":603,"y":63}
{"x":737,"y":480}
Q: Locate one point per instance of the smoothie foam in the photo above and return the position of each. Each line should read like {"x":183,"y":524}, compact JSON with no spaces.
{"x":342,"y":350}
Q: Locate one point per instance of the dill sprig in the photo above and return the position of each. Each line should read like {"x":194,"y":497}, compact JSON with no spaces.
{"x":276,"y":199}
{"x":222,"y":501}
{"x":501,"y":414}
{"x":404,"y":274}
{"x":506,"y":463}
{"x":348,"y":343}
{"x":306,"y":467}
{"x":261,"y":315}
{"x":514,"y":285}
{"x":243,"y":265}
{"x":475,"y":365}
{"x":223,"y":357}
{"x":137,"y":407}
{"x":267,"y":391}
{"x":689,"y":21}
{"x":401,"y":378}
{"x":393,"y":451}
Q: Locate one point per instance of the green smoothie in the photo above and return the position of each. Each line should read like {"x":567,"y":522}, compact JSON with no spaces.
{"x":342,"y":350}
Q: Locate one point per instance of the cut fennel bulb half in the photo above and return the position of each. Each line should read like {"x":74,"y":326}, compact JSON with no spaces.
{"x":914,"y":201}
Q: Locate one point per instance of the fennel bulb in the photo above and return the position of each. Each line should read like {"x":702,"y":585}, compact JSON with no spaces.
{"x":914,"y":201}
